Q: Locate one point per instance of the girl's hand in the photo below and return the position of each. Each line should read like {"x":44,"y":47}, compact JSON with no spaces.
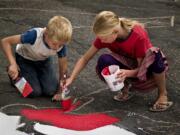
{"x":63,"y":82}
{"x":121,"y":75}
{"x":13,"y":71}
{"x":58,"y":95}
{"x":68,"y":81}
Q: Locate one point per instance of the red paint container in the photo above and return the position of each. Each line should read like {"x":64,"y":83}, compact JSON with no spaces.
{"x":66,"y":103}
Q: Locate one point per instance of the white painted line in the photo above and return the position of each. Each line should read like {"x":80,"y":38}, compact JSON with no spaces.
{"x":17,"y":104}
{"x":47,"y":10}
{"x":172,"y":21}
{"x":150,"y":27}
{"x":80,"y":27}
{"x":105,"y":130}
{"x":118,"y":6}
{"x":95,"y":92}
{"x":86,"y":103}
{"x":155,"y":17}
{"x":85,"y":13}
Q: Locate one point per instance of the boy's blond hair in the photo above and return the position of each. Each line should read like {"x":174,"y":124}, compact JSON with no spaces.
{"x":59,"y":28}
{"x":105,"y":21}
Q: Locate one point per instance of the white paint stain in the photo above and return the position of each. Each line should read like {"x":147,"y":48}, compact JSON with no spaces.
{"x":106,"y":130}
{"x":9,"y":125}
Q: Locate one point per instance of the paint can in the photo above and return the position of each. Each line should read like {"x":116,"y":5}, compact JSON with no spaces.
{"x":66,"y":101}
{"x":110,"y":73}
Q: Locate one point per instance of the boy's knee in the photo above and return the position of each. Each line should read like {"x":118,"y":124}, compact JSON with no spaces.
{"x":49,"y":90}
{"x":35,"y":93}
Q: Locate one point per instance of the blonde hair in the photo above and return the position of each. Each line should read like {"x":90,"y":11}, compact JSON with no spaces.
{"x":106,"y":21}
{"x":59,"y":28}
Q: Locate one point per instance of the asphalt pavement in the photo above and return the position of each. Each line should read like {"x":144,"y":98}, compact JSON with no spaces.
{"x":162,"y":18}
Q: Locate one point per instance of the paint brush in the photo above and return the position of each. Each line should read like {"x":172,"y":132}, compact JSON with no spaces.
{"x":66,"y":98}
{"x":78,"y":103}
{"x":21,"y":84}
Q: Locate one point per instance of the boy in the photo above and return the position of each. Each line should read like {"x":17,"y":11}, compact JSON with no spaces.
{"x":33,"y":55}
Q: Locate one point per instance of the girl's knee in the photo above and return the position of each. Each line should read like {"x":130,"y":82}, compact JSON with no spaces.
{"x":105,"y":59}
{"x":158,"y":65}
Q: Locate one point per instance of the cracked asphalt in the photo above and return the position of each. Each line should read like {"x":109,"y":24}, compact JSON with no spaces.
{"x":162,"y":18}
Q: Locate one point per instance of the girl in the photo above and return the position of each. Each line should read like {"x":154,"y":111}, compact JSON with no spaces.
{"x":143,"y":66}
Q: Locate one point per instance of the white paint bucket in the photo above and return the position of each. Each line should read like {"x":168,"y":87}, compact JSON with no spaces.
{"x":110,"y":73}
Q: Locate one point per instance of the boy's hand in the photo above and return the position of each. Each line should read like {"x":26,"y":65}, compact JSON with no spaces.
{"x":13,"y":71}
{"x":58,"y":95}
{"x":65,"y":82}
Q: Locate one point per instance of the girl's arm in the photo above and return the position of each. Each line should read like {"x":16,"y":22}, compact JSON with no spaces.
{"x":133,"y":73}
{"x":81,"y":63}
{"x":124,"y":73}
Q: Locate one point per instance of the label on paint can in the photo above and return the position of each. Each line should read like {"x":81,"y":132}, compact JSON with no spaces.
{"x":23,"y":86}
{"x":65,"y":93}
{"x":66,"y":99}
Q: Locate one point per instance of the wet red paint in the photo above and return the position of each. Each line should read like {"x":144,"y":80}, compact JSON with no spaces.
{"x":58,"y":118}
{"x":66,"y":104}
{"x":106,"y":71}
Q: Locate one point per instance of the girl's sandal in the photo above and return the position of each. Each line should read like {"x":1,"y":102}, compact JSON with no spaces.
{"x":160,"y":107}
{"x":122,"y":98}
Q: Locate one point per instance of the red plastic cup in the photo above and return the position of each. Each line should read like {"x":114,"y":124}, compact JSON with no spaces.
{"x":66,"y":104}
